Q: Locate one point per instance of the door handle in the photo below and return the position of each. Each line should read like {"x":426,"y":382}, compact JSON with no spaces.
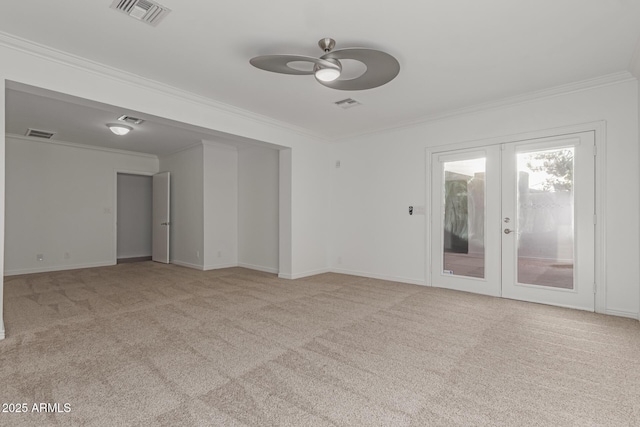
{"x":165,"y":223}
{"x":507,"y":231}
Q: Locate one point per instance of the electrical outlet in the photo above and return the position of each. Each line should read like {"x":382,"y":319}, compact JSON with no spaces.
{"x":198,"y":254}
{"x":67,"y":255}
{"x":39,"y":257}
{"x":219,"y":254}
{"x":339,"y":260}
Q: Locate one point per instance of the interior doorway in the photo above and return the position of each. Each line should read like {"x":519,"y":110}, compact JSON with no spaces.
{"x":517,"y":220}
{"x":133,"y":217}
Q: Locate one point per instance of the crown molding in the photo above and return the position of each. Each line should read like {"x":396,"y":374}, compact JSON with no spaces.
{"x":81,"y":146}
{"x":67,"y":59}
{"x":582,"y":85}
{"x":48,"y":53}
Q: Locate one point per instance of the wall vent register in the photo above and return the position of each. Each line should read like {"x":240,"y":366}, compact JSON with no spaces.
{"x":130,"y":119}
{"x":43,"y":134}
{"x":347,"y":103}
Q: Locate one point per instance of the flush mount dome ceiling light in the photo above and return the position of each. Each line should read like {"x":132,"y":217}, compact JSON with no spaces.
{"x":381,"y":67}
{"x":119,"y":129}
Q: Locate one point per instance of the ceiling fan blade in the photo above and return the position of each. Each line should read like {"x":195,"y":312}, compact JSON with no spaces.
{"x":381,"y":68}
{"x":280,"y":63}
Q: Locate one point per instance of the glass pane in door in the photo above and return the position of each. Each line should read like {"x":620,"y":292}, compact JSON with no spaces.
{"x":464,"y":217}
{"x":545,"y":226}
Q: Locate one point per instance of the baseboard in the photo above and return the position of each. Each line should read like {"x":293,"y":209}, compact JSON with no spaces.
{"x":134,"y":259}
{"x":218,"y":266}
{"x":1,"y":330}
{"x":56,"y":268}
{"x":186,"y":264}
{"x":622,"y":313}
{"x":305,"y":274}
{"x":133,"y":256}
{"x":379,"y":276}
{"x":258,"y":268}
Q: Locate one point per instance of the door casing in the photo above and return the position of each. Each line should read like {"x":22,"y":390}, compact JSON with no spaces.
{"x":115,"y":205}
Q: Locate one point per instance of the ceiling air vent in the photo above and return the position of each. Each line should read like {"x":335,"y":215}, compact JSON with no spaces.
{"x":129,"y":119}
{"x":39,"y":133}
{"x":143,"y":10}
{"x":347,"y":103}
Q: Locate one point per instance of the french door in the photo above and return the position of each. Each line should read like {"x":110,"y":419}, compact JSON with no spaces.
{"x":517,"y":220}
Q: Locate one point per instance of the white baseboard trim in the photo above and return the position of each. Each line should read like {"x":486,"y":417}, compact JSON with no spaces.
{"x":132,"y":256}
{"x":1,"y":330}
{"x":258,"y":268}
{"x":305,"y":274}
{"x":622,"y":313}
{"x":218,"y":266}
{"x":226,"y":265}
{"x":57,"y":268}
{"x":186,"y":264}
{"x":380,"y":276}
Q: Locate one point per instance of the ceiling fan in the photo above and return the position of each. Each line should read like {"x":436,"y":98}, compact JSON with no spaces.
{"x":381,"y":67}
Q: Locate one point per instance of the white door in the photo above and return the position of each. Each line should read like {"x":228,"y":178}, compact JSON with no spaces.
{"x":517,"y":220}
{"x":465,"y":242}
{"x":161,"y":217}
{"x":548,"y":227}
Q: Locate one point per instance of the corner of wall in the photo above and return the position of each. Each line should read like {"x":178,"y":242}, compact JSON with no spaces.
{"x":285,"y":254}
{"x":636,"y":72}
{"x":635,"y":61}
{"x":2,"y":200}
{"x":187,"y":264}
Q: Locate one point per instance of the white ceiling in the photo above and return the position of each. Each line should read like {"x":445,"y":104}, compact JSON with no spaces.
{"x":453,"y":54}
{"x":82,"y":121}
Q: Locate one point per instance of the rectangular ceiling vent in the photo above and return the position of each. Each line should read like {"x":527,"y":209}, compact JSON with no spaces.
{"x":39,"y":133}
{"x":143,"y":10}
{"x":345,"y":104}
{"x":129,"y":119}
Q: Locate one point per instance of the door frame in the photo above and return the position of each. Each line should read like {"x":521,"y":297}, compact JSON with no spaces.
{"x":114,"y":259}
{"x":599,"y":128}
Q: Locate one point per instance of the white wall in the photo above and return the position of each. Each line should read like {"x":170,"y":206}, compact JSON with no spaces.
{"x":134,"y":216}
{"x":220,"y":206}
{"x":186,"y":238}
{"x":310,"y":207}
{"x":382,"y":174}
{"x":2,"y":206}
{"x":60,"y":202}
{"x":34,"y":65}
{"x":258,"y":200}
{"x":285,"y":241}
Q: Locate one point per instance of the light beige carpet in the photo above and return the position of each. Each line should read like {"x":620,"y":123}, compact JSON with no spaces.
{"x":158,"y":345}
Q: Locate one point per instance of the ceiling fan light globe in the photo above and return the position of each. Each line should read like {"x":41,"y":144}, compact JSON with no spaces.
{"x":327,"y":74}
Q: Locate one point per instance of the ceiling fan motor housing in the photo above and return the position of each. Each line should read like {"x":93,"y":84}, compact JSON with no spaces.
{"x":327,"y":44}
{"x":337,"y":64}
